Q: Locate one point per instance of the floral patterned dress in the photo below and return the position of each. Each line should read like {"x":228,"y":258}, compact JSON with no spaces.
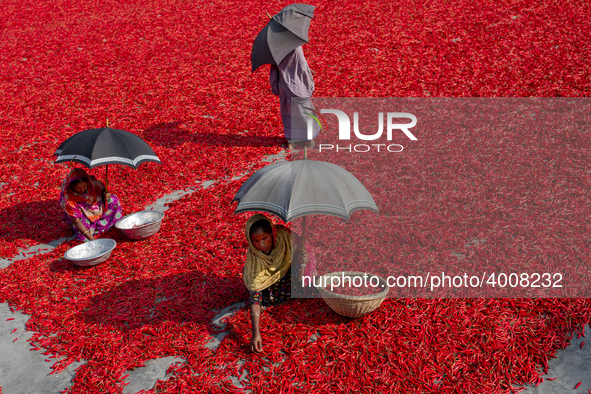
{"x":111,"y":216}
{"x":276,"y":294}
{"x":89,"y":208}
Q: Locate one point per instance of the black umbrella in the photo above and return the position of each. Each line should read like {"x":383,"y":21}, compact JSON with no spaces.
{"x":299,"y":188}
{"x":286,"y":31}
{"x":97,"y":147}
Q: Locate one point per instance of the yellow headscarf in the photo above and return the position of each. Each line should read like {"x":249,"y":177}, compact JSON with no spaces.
{"x":261,"y":270}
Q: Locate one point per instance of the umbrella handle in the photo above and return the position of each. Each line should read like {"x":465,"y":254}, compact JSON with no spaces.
{"x":106,"y":185}
{"x":304,"y":233}
{"x":106,"y":178}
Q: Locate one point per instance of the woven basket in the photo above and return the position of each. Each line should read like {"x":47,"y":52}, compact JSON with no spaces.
{"x":353,"y":305}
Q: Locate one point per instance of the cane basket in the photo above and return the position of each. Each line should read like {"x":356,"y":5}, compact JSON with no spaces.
{"x":352,"y":305}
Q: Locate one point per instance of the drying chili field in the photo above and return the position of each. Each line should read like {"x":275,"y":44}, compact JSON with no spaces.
{"x":178,"y":74}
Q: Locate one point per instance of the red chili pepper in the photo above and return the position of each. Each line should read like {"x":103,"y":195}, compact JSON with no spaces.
{"x":114,"y":302}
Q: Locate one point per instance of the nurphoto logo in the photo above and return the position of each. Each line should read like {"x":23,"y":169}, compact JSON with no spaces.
{"x":345,"y":130}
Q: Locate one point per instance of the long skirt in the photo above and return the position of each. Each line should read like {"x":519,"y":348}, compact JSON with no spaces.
{"x":294,"y":115}
{"x":111,"y":216}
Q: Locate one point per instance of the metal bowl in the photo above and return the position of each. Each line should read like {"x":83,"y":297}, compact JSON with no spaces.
{"x":91,"y":253}
{"x":141,"y":224}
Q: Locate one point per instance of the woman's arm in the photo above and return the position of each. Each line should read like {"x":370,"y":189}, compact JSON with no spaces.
{"x":274,"y":79}
{"x":105,"y":196}
{"x":78,"y":224}
{"x":301,"y":258}
{"x":256,"y":343}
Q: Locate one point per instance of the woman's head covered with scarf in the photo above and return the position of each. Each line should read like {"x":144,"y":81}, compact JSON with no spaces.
{"x":262,"y":270}
{"x":89,"y":203}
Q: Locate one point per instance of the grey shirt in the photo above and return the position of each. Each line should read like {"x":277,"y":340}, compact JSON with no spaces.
{"x":295,"y":74}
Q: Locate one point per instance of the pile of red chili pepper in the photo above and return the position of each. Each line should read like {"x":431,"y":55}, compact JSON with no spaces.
{"x":178,"y":75}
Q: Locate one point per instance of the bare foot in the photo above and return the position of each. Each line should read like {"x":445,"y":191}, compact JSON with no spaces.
{"x":289,"y":147}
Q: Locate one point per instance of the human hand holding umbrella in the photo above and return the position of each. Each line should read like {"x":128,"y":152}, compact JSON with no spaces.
{"x":106,"y":196}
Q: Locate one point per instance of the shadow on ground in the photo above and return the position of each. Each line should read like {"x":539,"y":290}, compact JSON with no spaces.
{"x":38,"y":221}
{"x":171,"y":135}
{"x":188,"y":297}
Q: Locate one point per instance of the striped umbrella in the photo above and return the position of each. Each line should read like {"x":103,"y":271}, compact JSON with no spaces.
{"x":97,"y":147}
{"x":299,"y":188}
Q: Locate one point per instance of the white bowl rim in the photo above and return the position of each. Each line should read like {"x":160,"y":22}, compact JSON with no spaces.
{"x":117,"y":225}
{"x":110,"y":240}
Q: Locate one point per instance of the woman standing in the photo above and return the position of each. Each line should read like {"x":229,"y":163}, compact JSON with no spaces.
{"x":88,"y":207}
{"x":293,"y":80}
